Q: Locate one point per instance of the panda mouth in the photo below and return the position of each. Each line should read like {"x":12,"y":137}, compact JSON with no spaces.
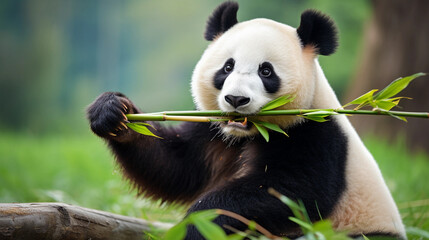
{"x":239,"y":123}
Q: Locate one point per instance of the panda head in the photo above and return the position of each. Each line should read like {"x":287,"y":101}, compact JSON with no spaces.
{"x":251,"y":63}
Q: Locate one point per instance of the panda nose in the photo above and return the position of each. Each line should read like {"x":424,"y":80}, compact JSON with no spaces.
{"x":237,"y":101}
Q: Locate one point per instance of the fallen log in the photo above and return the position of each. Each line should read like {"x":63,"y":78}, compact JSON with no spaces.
{"x":52,"y":221}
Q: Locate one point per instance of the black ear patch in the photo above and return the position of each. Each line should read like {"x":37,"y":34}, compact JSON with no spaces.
{"x":318,"y":30}
{"x":222,"y":19}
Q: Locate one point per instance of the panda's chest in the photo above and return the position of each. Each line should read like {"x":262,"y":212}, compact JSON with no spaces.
{"x":227,"y":163}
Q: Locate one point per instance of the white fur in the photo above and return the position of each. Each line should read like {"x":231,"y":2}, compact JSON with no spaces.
{"x":367,"y":205}
{"x":251,"y":43}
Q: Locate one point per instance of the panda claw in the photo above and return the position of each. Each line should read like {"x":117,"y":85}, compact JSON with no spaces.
{"x":112,"y":134}
{"x":125,"y":106}
{"x":124,"y":125}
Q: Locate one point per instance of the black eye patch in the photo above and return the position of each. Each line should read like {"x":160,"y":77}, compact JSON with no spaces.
{"x":269,"y":77}
{"x":223,"y":73}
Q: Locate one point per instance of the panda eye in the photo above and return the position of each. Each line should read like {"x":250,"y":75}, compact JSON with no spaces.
{"x":265,"y":72}
{"x":228,"y":68}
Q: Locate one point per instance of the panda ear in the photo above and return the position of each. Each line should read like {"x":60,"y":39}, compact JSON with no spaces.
{"x":318,"y":30}
{"x":222,"y":19}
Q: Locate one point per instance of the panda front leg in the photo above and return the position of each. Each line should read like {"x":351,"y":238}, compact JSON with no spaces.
{"x":249,"y":198}
{"x":171,"y":168}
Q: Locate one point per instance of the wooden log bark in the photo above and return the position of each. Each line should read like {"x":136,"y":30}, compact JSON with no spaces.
{"x":52,"y":221}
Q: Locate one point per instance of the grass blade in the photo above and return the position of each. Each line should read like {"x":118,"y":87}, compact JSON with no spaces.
{"x":301,"y":223}
{"x":296,"y":209}
{"x":418,"y":232}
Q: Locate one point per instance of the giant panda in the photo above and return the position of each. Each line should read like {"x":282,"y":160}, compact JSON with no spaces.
{"x":229,"y":165}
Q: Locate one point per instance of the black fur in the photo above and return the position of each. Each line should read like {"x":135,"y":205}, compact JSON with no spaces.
{"x":308,"y":166}
{"x":271,"y":83}
{"x":222,"y":19}
{"x":221,"y":74}
{"x":318,"y":30}
{"x":192,"y":164}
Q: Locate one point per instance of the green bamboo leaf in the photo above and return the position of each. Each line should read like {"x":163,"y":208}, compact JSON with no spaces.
{"x":203,"y":222}
{"x":315,"y":118}
{"x":397,"y":117}
{"x":210,"y":230}
{"x":142,"y":124}
{"x":204,"y":215}
{"x":319,"y":116}
{"x":373,"y":104}
{"x":386,"y":104}
{"x":361,"y":106}
{"x":273,"y":127}
{"x":399,"y":98}
{"x":396,"y":86}
{"x":363,"y":100}
{"x":263,"y":131}
{"x":141,"y":128}
{"x":177,"y":232}
{"x":278,"y":102}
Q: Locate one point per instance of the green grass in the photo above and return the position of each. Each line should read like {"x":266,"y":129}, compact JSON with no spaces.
{"x":406,"y":175}
{"x":72,"y":169}
{"x":80,"y":170}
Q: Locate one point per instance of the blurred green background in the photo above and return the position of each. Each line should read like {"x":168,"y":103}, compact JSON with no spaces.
{"x":58,"y":56}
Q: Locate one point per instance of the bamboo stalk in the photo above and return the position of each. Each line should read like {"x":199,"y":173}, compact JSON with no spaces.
{"x":193,"y":119}
{"x":190,"y":117}
{"x":396,"y":113}
{"x":207,"y":116}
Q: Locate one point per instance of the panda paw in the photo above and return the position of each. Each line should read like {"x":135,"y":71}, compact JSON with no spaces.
{"x":107,"y":114}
